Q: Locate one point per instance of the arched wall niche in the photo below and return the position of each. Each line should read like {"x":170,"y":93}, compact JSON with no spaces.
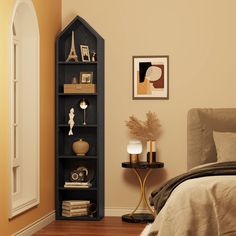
{"x":24,"y":108}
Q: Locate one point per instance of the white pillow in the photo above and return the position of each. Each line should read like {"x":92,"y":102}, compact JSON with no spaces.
{"x":225,"y":143}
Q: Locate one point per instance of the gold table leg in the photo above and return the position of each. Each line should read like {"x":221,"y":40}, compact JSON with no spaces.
{"x":142,"y":183}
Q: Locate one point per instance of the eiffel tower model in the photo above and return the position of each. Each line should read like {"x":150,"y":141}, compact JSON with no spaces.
{"x":72,"y":55}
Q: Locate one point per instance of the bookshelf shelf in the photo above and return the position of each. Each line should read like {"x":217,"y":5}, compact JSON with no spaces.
{"x":78,"y":189}
{"x":76,"y":63}
{"x":78,"y":126}
{"x":76,"y":157}
{"x":77,"y":94}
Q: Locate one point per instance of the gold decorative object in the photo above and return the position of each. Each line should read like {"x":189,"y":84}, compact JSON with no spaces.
{"x":84,"y":49}
{"x":142,"y":183}
{"x":84,"y":105}
{"x":72,"y":55}
{"x":134,"y":158}
{"x":151,"y":151}
{"x":80,"y":147}
{"x":79,"y":88}
{"x":148,"y":130}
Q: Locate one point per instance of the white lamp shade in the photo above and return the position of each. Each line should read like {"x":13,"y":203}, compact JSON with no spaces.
{"x":134,"y":147}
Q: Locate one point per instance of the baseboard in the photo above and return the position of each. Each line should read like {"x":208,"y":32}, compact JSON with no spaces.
{"x":119,"y":211}
{"x":37,"y":225}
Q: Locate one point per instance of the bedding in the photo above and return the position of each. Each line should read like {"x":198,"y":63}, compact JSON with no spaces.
{"x":204,"y":206}
{"x":201,"y":202}
{"x":160,"y":196}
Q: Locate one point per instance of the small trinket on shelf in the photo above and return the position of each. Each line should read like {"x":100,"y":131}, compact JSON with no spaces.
{"x":84,"y":105}
{"x":72,"y":55}
{"x":74,"y":80}
{"x":93,"y":55}
{"x":80,"y":147}
{"x":71,"y":120}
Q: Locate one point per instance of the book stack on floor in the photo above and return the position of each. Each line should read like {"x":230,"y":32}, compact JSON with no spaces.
{"x":72,"y":208}
{"x":77,"y":185}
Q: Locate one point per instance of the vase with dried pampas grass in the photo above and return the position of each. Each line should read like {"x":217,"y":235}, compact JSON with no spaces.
{"x":148,"y":131}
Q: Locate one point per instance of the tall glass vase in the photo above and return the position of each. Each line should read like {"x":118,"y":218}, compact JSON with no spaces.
{"x":151,"y":151}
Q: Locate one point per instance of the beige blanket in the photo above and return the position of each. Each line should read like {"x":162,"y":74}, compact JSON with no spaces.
{"x":203,"y":206}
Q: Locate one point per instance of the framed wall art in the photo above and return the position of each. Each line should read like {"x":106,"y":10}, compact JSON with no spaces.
{"x":150,"y":77}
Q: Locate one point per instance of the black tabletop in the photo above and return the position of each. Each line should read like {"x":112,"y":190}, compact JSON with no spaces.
{"x":143,"y":165}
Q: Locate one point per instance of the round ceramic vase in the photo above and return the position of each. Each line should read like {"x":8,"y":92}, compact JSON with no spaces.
{"x":80,"y":147}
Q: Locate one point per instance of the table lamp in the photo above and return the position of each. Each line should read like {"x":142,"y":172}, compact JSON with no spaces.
{"x":134,"y":147}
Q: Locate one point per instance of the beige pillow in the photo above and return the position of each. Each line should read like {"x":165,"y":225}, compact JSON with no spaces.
{"x":225,"y":143}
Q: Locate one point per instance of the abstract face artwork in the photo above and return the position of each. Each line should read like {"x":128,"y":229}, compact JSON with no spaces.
{"x":150,"y":77}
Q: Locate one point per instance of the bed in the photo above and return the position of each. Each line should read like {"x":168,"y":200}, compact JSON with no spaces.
{"x":201,"y":202}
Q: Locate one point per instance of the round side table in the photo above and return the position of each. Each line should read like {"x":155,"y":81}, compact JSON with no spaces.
{"x":136,"y":167}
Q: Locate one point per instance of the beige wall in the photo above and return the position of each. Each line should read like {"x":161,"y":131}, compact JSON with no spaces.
{"x":49,"y":18}
{"x":200,"y":38}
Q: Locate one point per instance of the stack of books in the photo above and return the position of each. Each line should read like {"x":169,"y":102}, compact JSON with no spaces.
{"x":72,"y":208}
{"x":77,"y":185}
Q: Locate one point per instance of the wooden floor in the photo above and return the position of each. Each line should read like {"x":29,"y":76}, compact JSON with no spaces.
{"x":108,"y":226}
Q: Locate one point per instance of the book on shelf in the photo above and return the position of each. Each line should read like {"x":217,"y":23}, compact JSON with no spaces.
{"x":70,"y":214}
{"x":77,"y":210}
{"x":75,"y":202}
{"x":66,"y":186}
{"x":68,"y":208}
{"x":77,"y":185}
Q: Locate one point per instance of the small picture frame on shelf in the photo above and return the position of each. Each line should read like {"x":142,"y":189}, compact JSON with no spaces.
{"x":85,"y":53}
{"x":86,"y":77}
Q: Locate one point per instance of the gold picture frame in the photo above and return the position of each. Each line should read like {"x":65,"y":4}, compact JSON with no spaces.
{"x":84,"y":49}
{"x":86,"y":77}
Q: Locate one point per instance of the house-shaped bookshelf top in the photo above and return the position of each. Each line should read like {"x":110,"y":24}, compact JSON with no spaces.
{"x":84,"y":34}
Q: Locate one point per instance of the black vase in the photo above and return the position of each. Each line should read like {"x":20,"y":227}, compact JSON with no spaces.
{"x":153,"y":157}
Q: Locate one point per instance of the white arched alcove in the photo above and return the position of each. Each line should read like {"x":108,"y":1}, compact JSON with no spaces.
{"x":24,"y":112}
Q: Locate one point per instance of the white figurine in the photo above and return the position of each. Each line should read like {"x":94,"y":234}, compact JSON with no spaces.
{"x":93,"y":56}
{"x":71,"y":120}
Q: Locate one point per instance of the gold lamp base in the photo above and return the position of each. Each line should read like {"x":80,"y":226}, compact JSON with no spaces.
{"x":133,"y":158}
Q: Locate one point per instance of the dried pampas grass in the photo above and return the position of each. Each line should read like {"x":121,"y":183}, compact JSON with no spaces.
{"x":144,"y":130}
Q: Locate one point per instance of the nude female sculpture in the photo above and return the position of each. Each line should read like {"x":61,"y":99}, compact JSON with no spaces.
{"x":71,"y":120}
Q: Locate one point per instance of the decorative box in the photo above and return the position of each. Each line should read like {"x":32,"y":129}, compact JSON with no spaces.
{"x":79,"y":88}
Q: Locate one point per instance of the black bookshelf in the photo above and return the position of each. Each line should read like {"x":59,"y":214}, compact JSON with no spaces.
{"x":92,"y":132}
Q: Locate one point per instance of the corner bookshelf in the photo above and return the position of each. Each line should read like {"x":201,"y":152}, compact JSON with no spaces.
{"x":93,"y":132}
